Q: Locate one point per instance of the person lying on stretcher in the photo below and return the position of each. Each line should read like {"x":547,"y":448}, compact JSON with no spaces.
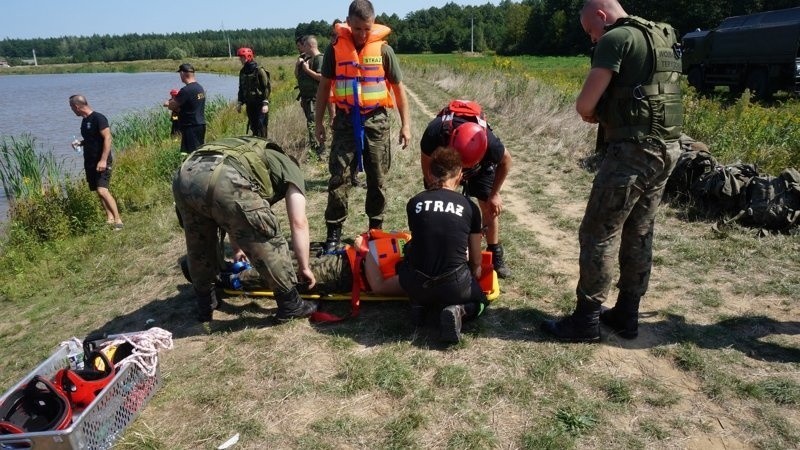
{"x":376,"y":253}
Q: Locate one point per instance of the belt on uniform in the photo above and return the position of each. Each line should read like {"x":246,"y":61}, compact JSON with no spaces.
{"x":366,"y":115}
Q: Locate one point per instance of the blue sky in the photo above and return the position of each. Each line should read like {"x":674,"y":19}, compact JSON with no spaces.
{"x":24,"y":19}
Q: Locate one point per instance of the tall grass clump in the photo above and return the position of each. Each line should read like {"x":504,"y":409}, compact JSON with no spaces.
{"x":23,"y":171}
{"x":743,"y":131}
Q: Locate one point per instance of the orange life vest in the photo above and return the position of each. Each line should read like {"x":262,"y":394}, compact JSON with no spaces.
{"x":360,"y":78}
{"x":387,"y":248}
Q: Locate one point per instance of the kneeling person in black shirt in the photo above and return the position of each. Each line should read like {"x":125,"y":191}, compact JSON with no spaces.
{"x":443,"y":258}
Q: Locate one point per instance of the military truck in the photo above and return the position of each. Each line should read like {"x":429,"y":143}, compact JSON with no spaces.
{"x":760,"y":52}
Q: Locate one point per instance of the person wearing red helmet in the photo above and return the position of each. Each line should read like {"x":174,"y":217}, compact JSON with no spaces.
{"x":443,"y":259}
{"x":254,"y":90}
{"x":485,"y":162}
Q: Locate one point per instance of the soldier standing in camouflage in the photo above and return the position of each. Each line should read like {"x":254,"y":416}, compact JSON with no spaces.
{"x":232,"y":184}
{"x":633,"y":92}
{"x":364,"y":72}
{"x":307,"y":71}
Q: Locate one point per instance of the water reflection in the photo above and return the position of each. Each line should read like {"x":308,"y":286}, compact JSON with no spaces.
{"x":38,"y":104}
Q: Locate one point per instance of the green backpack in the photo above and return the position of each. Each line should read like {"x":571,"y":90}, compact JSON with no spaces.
{"x":771,"y":203}
{"x":246,"y":155}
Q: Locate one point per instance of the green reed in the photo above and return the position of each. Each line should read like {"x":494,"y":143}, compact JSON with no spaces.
{"x":24,"y":172}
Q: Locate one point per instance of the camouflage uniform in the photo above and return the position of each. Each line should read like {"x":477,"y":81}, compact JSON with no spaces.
{"x":641,"y":115}
{"x":234,"y":204}
{"x":377,"y":159}
{"x":377,"y":146}
{"x":308,"y":96}
{"x":641,"y":126}
{"x":332,"y":272}
{"x":625,"y":196}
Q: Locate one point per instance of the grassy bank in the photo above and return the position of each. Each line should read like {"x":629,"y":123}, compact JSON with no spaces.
{"x":716,"y":365}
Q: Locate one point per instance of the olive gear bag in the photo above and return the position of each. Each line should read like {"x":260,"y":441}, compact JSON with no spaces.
{"x":771,"y":203}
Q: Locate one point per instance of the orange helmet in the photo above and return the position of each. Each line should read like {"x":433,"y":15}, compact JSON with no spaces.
{"x":246,"y":53}
{"x":470,"y":141}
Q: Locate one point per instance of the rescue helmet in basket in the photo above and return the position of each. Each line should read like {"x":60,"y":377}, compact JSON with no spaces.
{"x":82,"y":386}
{"x":246,"y":53}
{"x":470,"y":141}
{"x":38,"y":406}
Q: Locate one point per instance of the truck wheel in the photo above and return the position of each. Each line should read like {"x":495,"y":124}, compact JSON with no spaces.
{"x":696,"y":79}
{"x":758,"y":83}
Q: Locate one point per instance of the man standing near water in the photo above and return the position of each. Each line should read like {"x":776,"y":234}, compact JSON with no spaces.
{"x":190,"y":104}
{"x":97,"y":156}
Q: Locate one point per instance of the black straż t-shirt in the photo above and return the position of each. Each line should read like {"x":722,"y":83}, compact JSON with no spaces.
{"x":440,"y":221}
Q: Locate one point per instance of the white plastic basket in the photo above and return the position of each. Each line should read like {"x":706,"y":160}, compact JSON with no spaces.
{"x":102,"y":422}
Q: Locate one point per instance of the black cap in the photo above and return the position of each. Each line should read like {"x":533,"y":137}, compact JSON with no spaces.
{"x":186,"y":67}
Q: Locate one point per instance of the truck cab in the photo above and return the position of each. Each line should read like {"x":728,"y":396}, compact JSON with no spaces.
{"x":760,"y":52}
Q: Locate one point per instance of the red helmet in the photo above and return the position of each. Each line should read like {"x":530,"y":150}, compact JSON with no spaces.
{"x":246,"y":53}
{"x":173,"y":93}
{"x":82,"y":386}
{"x":470,"y":141}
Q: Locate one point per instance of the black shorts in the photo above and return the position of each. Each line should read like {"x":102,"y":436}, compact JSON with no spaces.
{"x":192,"y":137}
{"x":98,"y":179}
{"x":480,"y":185}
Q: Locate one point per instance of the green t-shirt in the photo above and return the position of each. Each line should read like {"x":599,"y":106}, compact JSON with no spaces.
{"x":391,"y":65}
{"x":282,"y":172}
{"x":624,"y":51}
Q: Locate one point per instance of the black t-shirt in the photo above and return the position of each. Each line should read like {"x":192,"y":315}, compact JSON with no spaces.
{"x":437,"y":135}
{"x":440,"y":221}
{"x":192,"y":100}
{"x":91,"y":126}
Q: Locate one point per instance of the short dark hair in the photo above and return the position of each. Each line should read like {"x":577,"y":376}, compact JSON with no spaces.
{"x":445,"y":164}
{"x":362,"y":9}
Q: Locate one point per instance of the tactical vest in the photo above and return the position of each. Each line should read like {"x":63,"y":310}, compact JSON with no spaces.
{"x":307,"y":84}
{"x":360,"y":78}
{"x":653,"y":108}
{"x":250,"y":85}
{"x":248,"y":157}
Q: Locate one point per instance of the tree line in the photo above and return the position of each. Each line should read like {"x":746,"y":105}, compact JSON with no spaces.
{"x":528,"y":27}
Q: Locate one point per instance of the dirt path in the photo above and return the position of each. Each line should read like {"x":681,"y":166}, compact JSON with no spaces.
{"x":615,"y":357}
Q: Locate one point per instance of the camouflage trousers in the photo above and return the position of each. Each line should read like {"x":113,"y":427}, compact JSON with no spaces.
{"x":234,"y":206}
{"x":309,"y":105}
{"x":377,"y":159}
{"x":622,"y":206}
{"x":333,"y":274}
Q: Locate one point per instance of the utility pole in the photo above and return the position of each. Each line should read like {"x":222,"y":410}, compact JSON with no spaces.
{"x":472,"y":34}
{"x":225,"y":35}
{"x":35,"y":63}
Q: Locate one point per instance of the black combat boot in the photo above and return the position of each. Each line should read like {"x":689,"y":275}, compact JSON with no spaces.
{"x":582,"y":326}
{"x":206,"y":304}
{"x":450,"y":323}
{"x":375,"y":224}
{"x":498,"y":261}
{"x":291,"y":306}
{"x":623,"y":318}
{"x":334,"y":238}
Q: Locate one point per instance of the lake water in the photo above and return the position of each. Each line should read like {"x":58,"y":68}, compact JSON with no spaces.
{"x":39,"y":105}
